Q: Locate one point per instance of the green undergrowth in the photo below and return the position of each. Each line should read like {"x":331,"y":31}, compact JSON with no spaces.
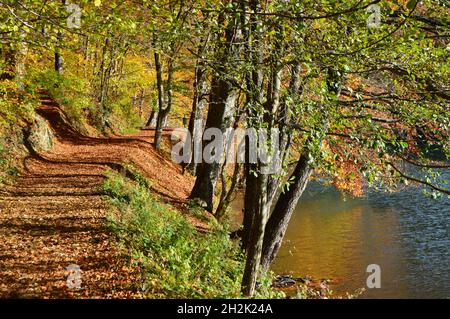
{"x":71,"y":93}
{"x":176,"y":260}
{"x":76,"y":96}
{"x":17,"y":105}
{"x":8,"y":170}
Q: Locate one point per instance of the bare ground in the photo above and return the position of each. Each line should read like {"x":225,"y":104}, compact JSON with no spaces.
{"x":55,"y":214}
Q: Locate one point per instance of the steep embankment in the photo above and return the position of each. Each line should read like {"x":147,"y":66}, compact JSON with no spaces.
{"x":55,"y":214}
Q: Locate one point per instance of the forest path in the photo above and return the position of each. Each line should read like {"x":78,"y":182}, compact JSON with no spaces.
{"x":54,"y":215}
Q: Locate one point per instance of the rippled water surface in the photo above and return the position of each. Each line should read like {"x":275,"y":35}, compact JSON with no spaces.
{"x":407,"y":234}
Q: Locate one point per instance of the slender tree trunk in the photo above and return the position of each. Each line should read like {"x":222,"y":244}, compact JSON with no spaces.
{"x":164,"y":98}
{"x":227,"y":195}
{"x":161,"y":104}
{"x":58,"y":61}
{"x":133,"y":101}
{"x":254,"y":251}
{"x":101,"y":73}
{"x":160,"y":122}
{"x":20,"y":66}
{"x":256,"y":205}
{"x":58,"y":57}
{"x":294,"y":92}
{"x":254,"y":80}
{"x":250,"y":196}
{"x":153,"y":114}
{"x":141,"y":102}
{"x":86,"y":48}
{"x":278,"y":222}
{"x":196,"y":119}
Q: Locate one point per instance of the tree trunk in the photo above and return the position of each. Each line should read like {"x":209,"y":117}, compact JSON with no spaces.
{"x":86,"y":48}
{"x":228,"y":195}
{"x":58,"y":57}
{"x":278,"y":222}
{"x":196,"y":118}
{"x":101,"y":73}
{"x":133,"y":101}
{"x":141,"y":102}
{"x":160,"y":123}
{"x":254,"y":251}
{"x":164,"y":98}
{"x":250,"y":197}
{"x":255,"y":82}
{"x":161,"y":104}
{"x":294,"y":92}
{"x":58,"y":61}
{"x":21,"y":70}
{"x":221,"y":113}
{"x":153,"y":114}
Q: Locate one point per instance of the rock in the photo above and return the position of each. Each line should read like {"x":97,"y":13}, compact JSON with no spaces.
{"x":284,"y":281}
{"x":41,"y":135}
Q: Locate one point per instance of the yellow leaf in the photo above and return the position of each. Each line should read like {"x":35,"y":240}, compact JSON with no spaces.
{"x":98,"y":3}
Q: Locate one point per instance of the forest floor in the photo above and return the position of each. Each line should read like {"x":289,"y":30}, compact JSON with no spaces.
{"x":54,"y":214}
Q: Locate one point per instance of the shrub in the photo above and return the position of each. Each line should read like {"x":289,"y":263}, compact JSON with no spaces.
{"x":7,"y":168}
{"x":16,"y":109}
{"x":16,"y":105}
{"x":71,"y":92}
{"x":177,"y":261}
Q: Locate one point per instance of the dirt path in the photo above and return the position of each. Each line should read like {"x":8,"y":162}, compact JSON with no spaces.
{"x":54,"y":215}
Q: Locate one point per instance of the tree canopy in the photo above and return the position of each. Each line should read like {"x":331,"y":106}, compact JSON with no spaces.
{"x":358,"y":89}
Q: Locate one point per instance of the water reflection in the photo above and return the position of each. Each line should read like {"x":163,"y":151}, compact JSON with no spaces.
{"x":331,"y":236}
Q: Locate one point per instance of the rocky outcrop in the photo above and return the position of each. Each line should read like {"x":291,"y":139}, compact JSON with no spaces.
{"x":41,"y":135}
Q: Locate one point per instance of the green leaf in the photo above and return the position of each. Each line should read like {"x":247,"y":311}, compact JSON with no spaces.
{"x":411,"y":4}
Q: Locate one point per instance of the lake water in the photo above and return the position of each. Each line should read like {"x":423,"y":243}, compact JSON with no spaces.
{"x":335,"y":236}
